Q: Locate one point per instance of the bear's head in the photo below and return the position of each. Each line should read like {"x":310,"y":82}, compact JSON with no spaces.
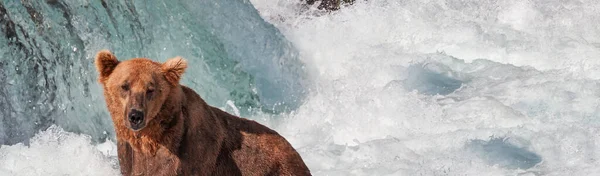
{"x":135,"y":90}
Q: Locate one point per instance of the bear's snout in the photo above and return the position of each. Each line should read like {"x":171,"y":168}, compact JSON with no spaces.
{"x":136,"y":119}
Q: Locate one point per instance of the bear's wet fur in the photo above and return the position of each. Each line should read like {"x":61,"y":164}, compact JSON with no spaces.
{"x":164,"y":128}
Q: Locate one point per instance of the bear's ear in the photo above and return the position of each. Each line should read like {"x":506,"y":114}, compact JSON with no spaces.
{"x":105,"y":64}
{"x":173,"y":69}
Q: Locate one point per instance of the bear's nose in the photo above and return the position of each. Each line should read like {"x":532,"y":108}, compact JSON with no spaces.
{"x":136,"y":117}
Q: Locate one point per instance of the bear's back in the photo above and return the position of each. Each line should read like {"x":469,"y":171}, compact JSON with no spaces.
{"x":248,"y":148}
{"x":259,"y":150}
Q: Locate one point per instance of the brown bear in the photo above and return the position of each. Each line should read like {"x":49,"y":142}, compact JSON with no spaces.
{"x":164,"y":128}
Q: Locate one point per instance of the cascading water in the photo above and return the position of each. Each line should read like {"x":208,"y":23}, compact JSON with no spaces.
{"x":382,"y":87}
{"x":48,"y":47}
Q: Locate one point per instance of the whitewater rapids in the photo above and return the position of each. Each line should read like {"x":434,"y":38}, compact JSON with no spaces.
{"x":443,"y":87}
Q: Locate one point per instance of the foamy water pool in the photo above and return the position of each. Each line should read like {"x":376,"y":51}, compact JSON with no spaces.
{"x":416,"y":88}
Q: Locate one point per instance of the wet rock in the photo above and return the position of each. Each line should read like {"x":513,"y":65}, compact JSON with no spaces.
{"x":330,"y":5}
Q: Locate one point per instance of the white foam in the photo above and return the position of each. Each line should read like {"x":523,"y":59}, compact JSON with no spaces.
{"x":361,"y":120}
{"x":56,"y":152}
{"x":362,"y":117}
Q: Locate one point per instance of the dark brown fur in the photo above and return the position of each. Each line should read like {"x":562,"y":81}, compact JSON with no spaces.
{"x":182,"y":134}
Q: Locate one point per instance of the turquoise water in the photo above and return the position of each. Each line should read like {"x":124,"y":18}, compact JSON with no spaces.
{"x":382,"y":87}
{"x":48,"y":47}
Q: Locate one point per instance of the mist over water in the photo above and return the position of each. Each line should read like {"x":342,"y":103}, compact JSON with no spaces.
{"x":446,"y":87}
{"x":389,"y":87}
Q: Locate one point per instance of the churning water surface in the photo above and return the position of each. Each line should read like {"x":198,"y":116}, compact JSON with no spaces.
{"x":382,"y":87}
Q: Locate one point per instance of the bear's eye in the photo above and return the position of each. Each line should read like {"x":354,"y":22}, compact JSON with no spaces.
{"x":149,"y":92}
{"x":125,"y":87}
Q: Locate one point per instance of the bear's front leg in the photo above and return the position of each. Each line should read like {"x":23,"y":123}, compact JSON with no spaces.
{"x":125,"y":155}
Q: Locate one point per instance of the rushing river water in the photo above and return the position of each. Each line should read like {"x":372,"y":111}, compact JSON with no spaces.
{"x":382,"y":87}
